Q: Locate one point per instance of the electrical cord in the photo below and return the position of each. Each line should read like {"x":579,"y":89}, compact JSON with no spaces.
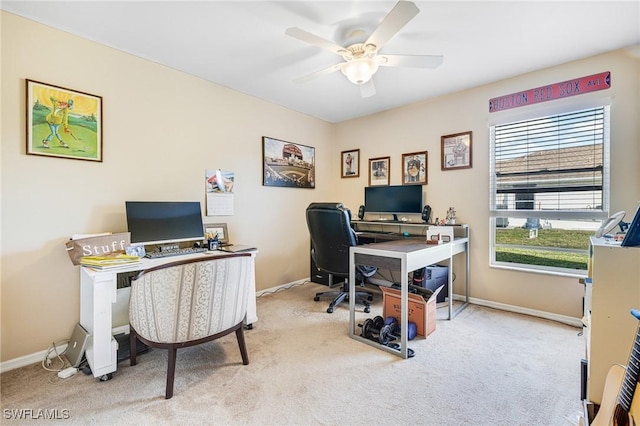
{"x":46,"y":361}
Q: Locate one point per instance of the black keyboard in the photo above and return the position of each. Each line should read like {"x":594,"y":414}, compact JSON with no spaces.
{"x":178,"y":252}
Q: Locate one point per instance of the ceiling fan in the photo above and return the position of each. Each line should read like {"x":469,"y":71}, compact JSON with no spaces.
{"x":361,"y":60}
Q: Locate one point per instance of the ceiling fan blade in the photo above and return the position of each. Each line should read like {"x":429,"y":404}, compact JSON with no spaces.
{"x":410,"y":61}
{"x":367,"y":89}
{"x":307,"y":37}
{"x":316,"y":74}
{"x":398,"y":17}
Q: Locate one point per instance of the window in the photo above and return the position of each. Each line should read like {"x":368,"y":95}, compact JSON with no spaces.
{"x":549,"y":190}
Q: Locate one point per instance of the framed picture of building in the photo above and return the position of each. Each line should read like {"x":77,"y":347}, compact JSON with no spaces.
{"x":63,"y":122}
{"x":287,"y":164}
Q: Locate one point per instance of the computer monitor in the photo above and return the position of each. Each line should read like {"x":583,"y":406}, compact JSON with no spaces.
{"x":632,"y":237}
{"x":164,"y":222}
{"x":394,"y":200}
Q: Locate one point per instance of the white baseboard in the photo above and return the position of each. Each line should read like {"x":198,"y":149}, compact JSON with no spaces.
{"x":37,"y":357}
{"x":281,"y":287}
{"x":575,"y":322}
{"x":23,"y":361}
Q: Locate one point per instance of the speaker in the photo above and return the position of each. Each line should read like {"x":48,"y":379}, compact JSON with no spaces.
{"x":361,"y":213}
{"x":426,"y":213}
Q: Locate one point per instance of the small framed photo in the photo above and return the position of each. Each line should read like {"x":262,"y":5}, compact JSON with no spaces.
{"x":211,"y":230}
{"x":379,"y":171}
{"x":63,"y":123}
{"x":456,"y":151}
{"x":414,"y":168}
{"x":350,"y":163}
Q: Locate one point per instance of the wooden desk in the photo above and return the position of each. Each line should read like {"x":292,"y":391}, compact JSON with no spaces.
{"x":97,"y":295}
{"x":405,"y":256}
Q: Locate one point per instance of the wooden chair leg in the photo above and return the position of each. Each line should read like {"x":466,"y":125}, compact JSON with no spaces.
{"x":243,"y":346}
{"x":132,"y":347}
{"x":171,"y":371}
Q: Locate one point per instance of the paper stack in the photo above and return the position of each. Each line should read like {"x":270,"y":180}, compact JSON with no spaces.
{"x":109,"y":261}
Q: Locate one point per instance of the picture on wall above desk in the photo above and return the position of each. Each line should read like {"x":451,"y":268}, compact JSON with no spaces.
{"x":350,"y":161}
{"x":287,"y":164}
{"x":63,"y":123}
{"x":414,"y":168}
{"x":379,"y":170}
{"x":456,"y":151}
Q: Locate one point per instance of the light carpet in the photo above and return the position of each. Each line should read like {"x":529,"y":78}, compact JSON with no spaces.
{"x":486,"y":367}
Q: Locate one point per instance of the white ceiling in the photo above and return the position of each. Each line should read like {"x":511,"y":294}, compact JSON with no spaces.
{"x":242,"y":45}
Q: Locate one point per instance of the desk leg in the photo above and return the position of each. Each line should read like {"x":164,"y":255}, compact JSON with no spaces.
{"x":450,"y":287}
{"x":97,"y":295}
{"x":404,"y":308}
{"x":352,"y":294}
{"x":252,"y":313}
{"x":453,"y":314}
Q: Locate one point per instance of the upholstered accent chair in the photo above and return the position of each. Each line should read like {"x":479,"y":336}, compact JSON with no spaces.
{"x":189,"y":302}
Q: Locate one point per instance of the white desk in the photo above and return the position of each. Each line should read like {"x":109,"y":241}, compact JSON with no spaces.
{"x":97,"y":295}
{"x":405,"y":256}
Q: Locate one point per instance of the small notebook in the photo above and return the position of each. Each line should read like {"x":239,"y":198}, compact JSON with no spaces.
{"x":235,"y":248}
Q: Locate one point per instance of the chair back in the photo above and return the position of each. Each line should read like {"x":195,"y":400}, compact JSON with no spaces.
{"x":331,"y":236}
{"x":191,"y":299}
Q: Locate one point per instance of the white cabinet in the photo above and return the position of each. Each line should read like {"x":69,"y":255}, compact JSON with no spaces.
{"x":610,"y":328}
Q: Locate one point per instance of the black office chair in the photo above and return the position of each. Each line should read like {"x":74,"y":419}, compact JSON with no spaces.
{"x":331,"y":236}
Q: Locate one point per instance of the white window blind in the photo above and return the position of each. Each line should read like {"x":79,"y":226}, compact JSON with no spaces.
{"x":551,"y":164}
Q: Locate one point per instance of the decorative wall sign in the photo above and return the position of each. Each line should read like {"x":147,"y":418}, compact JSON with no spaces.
{"x":287,"y":164}
{"x":561,"y":90}
{"x":456,"y":150}
{"x":63,"y":123}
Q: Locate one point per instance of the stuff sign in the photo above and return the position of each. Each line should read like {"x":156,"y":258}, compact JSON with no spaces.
{"x":561,"y":90}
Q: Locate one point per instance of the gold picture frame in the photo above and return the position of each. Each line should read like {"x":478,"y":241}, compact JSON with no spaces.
{"x":350,"y":163}
{"x":379,"y":171}
{"x":414,"y":168}
{"x":456,"y":151}
{"x":63,"y":123}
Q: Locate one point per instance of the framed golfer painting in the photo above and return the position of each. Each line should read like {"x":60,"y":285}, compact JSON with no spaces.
{"x":63,"y":123}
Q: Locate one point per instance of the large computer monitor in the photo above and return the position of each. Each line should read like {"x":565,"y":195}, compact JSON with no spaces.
{"x":394,"y":200}
{"x":164,"y":222}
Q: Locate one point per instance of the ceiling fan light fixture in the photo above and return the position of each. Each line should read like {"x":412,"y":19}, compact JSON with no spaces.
{"x":360,"y":70}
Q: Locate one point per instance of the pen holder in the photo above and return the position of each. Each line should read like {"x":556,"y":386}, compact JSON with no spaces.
{"x":214,"y":244}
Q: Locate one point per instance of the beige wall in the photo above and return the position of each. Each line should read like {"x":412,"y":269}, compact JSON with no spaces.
{"x":163,"y":128}
{"x":418,"y":127}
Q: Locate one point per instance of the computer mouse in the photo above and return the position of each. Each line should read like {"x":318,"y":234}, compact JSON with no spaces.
{"x":405,"y":233}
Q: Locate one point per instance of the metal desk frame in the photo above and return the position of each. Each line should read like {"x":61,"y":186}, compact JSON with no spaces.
{"x":405,"y":256}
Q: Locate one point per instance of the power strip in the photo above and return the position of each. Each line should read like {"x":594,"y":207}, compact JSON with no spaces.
{"x":67,"y":372}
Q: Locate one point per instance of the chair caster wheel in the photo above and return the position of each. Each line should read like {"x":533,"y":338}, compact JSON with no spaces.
{"x":329,"y":310}
{"x":106,"y":377}
{"x":369,"y":298}
{"x":367,"y":309}
{"x":316,"y":298}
